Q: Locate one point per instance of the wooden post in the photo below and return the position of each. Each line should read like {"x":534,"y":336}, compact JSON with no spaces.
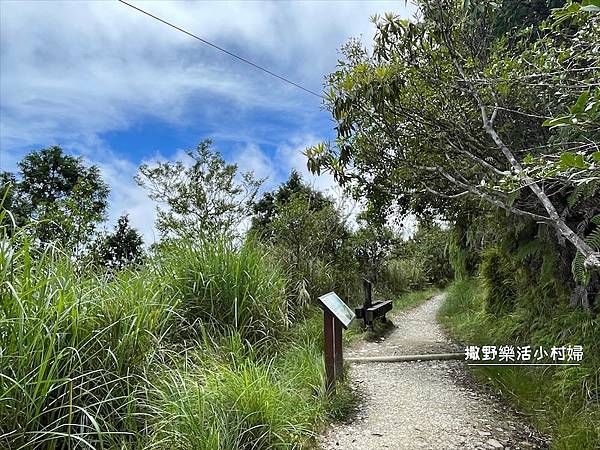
{"x":367,"y":289}
{"x":336,"y":315}
{"x":329,"y":341}
{"x":339,"y":356}
{"x":367,"y":286}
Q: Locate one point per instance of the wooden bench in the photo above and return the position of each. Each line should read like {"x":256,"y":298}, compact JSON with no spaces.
{"x":371,"y":311}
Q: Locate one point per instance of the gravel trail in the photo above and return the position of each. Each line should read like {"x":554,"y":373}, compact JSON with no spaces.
{"x":423,"y":405}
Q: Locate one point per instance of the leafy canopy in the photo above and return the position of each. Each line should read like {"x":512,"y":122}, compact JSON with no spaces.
{"x":451,"y":113}
{"x":203,"y":197}
{"x":63,"y":199}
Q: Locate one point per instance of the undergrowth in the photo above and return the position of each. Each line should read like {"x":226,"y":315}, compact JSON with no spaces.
{"x":195,"y":349}
{"x":561,"y":401}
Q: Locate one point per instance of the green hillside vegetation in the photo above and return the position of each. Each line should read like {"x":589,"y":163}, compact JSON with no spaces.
{"x":478,"y":120}
{"x":206,"y":343}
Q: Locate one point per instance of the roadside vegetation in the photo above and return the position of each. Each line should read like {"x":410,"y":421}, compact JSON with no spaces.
{"x":560,"y":401}
{"x":208,"y":339}
{"x":152,"y":357}
{"x":478,"y":119}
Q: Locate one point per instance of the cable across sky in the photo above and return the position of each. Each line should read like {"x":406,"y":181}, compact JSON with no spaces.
{"x":221,"y":49}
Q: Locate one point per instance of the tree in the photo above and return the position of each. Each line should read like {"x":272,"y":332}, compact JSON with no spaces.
{"x":205,"y":198}
{"x":313,"y":243}
{"x":122,"y":247}
{"x":306,"y":231}
{"x":372,"y":244}
{"x":445,"y":114}
{"x":63,"y":198}
{"x":268,"y":207}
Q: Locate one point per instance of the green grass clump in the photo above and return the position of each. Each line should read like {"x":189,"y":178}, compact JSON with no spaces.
{"x":191,"y":350}
{"x":498,"y":276}
{"x":265,"y":402}
{"x":241,"y":407}
{"x":229,"y":288}
{"x":561,"y":401}
{"x":74,"y":348}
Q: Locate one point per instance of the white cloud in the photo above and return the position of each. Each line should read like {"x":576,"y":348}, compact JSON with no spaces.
{"x":75,"y":69}
{"x":128,"y":198}
{"x":252,"y":159}
{"x":71,"y":71}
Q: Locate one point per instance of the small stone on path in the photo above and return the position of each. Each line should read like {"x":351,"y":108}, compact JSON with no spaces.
{"x":494,"y":443}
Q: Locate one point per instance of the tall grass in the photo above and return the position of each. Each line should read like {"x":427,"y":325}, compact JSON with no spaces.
{"x":93,"y":360}
{"x":74,"y":349}
{"x":249,"y":405}
{"x":227,"y":287}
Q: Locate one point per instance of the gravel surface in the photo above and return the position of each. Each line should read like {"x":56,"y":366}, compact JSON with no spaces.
{"x":424,"y":405}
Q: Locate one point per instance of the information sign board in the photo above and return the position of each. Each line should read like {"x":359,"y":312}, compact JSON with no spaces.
{"x":338,"y":308}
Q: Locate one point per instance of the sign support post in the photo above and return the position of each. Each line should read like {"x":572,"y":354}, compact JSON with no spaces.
{"x":338,"y":353}
{"x":336,"y":315}
{"x":329,"y":350}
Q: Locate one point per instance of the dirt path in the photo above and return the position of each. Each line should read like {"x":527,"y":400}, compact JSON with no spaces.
{"x":423,"y":405}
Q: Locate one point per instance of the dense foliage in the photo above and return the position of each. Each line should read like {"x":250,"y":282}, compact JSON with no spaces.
{"x":450,"y":115}
{"x":169,"y":354}
{"x":122,"y":247}
{"x":200,"y":196}
{"x":62,"y":199}
{"x":487,"y":115}
{"x":310,"y":235}
{"x":199,"y":342}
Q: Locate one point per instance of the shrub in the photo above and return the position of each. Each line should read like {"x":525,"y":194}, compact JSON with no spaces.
{"x":85,"y":361}
{"x":400,"y":275}
{"x":242,"y":405}
{"x":498,"y":275}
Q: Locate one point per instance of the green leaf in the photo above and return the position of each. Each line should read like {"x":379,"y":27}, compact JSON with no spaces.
{"x":591,"y":8}
{"x":512,"y":196}
{"x":567,"y":160}
{"x":579,"y":106}
{"x":381,"y":71}
{"x":557,"y":122}
{"x":580,"y":163}
{"x":570,"y":160}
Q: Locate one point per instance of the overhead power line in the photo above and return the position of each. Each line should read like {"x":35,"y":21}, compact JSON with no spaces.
{"x":221,"y":49}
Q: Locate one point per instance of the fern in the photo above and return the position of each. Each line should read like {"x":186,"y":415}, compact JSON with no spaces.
{"x":580,"y":273}
{"x":527,"y":250}
{"x":583,"y":191}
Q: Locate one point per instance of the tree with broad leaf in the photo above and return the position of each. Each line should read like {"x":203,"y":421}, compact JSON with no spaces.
{"x":444,"y":114}
{"x":62,"y":199}
{"x":268,"y":207}
{"x":122,"y":247}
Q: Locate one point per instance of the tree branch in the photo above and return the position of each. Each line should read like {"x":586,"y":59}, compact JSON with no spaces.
{"x":592,"y":257}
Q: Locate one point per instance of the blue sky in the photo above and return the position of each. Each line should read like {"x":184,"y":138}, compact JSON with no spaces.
{"x":119,"y":89}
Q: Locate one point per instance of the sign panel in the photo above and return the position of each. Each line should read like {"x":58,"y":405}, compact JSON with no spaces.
{"x":338,"y":308}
